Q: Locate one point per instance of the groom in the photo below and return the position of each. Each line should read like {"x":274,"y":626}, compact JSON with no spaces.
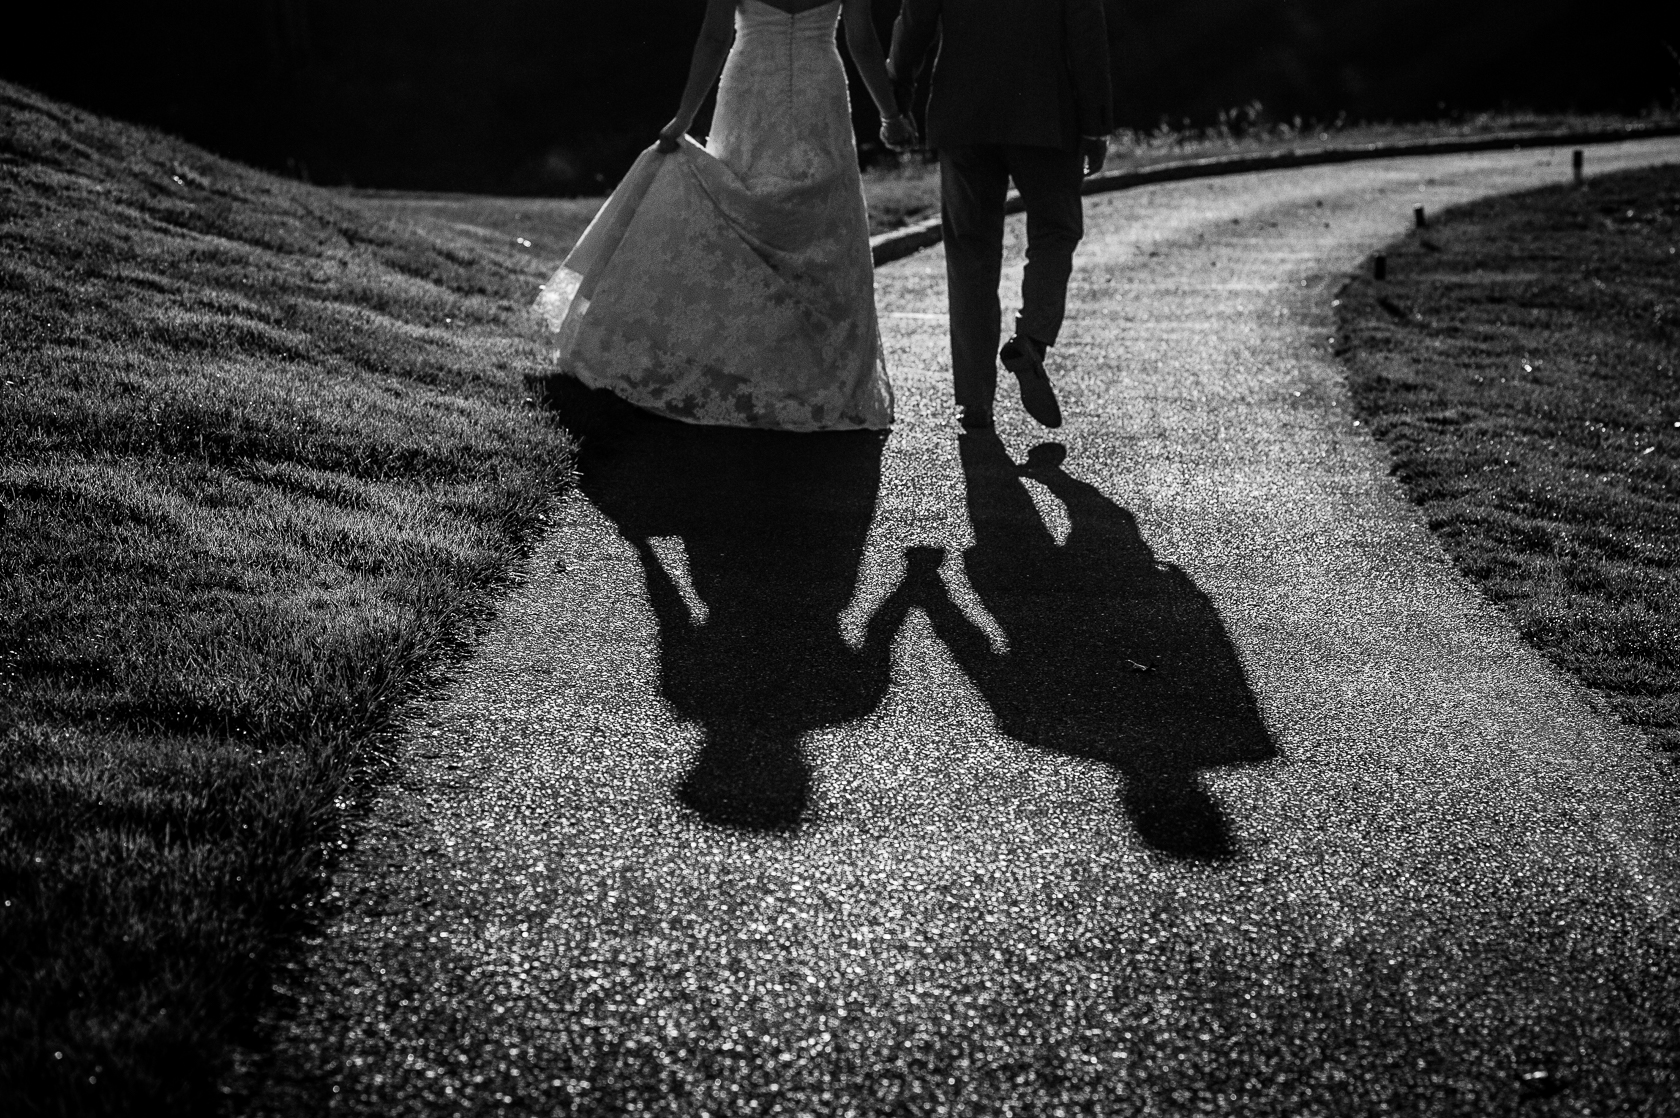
{"x":1020,"y":91}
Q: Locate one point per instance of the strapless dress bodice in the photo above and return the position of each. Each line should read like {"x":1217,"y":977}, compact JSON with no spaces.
{"x":783,"y":117}
{"x":754,"y":18}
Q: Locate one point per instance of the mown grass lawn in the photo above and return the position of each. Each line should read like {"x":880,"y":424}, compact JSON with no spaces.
{"x":264,"y":460}
{"x":1522,"y":365}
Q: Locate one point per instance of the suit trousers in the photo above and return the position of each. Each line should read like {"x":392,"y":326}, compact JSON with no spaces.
{"x":974,"y":182}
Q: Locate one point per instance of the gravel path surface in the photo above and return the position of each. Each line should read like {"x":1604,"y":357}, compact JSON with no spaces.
{"x":1164,"y":769}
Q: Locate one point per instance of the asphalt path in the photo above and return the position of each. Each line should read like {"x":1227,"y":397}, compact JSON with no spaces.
{"x":1160,"y":766}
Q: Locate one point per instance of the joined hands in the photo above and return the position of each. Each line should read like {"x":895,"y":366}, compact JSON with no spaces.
{"x":899,"y":132}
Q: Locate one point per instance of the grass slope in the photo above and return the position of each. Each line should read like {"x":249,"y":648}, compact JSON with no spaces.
{"x":262,"y":461}
{"x":1522,"y":364}
{"x":542,"y":230}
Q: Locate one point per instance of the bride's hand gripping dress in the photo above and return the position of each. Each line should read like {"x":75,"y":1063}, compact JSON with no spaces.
{"x":732,"y":284}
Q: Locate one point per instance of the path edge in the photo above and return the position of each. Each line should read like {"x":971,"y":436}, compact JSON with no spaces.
{"x":899,"y":243}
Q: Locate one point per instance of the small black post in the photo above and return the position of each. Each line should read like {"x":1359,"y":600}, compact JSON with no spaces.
{"x":1379,"y":266}
{"x":1578,"y":161}
{"x":1417,"y":215}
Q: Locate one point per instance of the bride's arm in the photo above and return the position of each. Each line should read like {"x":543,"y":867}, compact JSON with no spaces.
{"x":717,"y":34}
{"x":865,"y":48}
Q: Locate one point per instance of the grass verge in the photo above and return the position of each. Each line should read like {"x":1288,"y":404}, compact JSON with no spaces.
{"x":1522,"y":365}
{"x":263,"y":462}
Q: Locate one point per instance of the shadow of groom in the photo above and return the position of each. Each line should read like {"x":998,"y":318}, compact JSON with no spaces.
{"x":1110,"y":656}
{"x":773,"y":526}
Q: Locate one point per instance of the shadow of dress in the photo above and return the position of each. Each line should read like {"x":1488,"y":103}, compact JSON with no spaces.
{"x":773,"y":526}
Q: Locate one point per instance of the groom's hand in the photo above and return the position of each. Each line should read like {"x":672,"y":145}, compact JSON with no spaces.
{"x":899,"y":133}
{"x":1095,"y":151}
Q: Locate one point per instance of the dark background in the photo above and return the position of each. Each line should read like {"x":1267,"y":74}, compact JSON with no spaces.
{"x":556,"y":96}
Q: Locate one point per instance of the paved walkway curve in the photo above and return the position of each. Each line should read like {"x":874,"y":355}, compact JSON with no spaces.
{"x":1167,"y":769}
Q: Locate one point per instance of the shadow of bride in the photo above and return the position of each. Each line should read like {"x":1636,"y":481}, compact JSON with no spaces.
{"x":773,"y":526}
{"x":1111,"y":655}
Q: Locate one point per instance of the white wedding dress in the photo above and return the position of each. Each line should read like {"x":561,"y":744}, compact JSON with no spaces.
{"x":732,"y":284}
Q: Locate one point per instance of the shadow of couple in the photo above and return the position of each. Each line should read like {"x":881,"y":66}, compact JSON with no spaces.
{"x":1110,"y":655}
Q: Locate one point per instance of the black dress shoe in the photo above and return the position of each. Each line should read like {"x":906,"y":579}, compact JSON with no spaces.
{"x":1023,"y":357}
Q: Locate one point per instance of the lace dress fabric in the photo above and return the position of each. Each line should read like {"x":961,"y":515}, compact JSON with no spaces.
{"x":732,"y":284}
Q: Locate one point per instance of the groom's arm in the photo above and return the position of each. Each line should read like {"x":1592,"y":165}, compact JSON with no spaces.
{"x":918,"y":21}
{"x":1087,"y":56}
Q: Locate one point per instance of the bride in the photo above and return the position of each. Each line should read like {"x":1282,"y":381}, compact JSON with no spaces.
{"x":731,"y":284}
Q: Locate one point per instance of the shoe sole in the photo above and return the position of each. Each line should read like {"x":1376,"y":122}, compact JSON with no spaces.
{"x":1037,"y":396}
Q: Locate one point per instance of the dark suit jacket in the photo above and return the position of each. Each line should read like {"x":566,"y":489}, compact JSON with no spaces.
{"x":1031,"y":72}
